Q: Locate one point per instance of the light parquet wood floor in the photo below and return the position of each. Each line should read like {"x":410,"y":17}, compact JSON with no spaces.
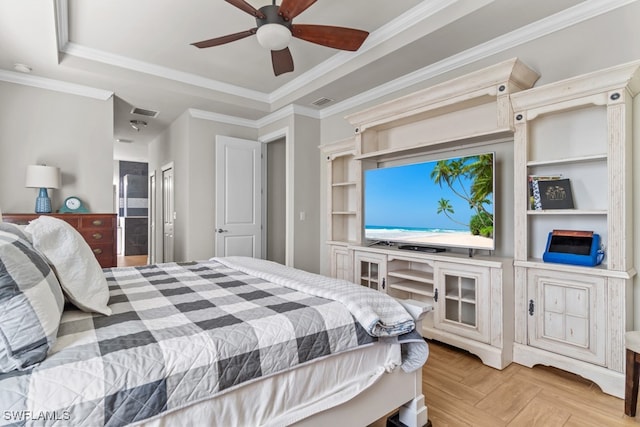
{"x":460,"y":391}
{"x":132,"y":260}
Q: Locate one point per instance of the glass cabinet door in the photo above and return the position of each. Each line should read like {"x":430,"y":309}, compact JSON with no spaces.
{"x":462,"y":306}
{"x":371,"y":271}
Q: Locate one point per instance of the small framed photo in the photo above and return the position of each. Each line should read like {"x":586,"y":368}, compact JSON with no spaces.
{"x":555,"y":194}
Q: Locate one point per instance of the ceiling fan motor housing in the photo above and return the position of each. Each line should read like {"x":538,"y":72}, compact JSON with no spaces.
{"x":272,"y":17}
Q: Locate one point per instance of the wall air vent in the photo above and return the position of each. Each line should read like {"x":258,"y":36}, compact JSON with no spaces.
{"x":143,"y":112}
{"x":321,"y":101}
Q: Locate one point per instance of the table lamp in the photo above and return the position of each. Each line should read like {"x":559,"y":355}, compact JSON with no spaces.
{"x":43,"y":177}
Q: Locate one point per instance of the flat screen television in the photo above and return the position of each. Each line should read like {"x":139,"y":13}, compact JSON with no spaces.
{"x":440,"y":203}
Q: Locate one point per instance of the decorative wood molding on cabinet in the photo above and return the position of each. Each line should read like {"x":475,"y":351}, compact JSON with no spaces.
{"x":469,"y":109}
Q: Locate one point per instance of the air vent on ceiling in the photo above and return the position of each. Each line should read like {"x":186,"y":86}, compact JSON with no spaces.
{"x":321,"y":101}
{"x":143,"y":112}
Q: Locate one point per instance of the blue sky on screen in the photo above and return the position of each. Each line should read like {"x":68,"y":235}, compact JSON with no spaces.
{"x":406,"y":196}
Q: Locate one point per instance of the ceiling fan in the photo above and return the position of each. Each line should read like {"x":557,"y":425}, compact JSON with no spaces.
{"x":275,"y":29}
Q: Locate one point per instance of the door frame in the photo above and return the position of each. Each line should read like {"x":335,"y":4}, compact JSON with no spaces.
{"x":289,"y":207}
{"x":152,"y":215}
{"x":163,"y":169}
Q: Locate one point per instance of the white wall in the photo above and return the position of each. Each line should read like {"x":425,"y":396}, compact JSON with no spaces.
{"x":72,"y":132}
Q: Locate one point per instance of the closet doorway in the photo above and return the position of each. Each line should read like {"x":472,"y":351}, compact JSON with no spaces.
{"x":276,"y":200}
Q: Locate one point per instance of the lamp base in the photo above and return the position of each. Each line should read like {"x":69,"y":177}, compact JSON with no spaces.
{"x":43,"y":202}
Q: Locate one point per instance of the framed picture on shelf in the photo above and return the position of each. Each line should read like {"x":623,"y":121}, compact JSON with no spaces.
{"x":555,"y":194}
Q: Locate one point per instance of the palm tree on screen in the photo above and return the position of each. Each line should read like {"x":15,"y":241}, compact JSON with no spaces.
{"x":471,"y":179}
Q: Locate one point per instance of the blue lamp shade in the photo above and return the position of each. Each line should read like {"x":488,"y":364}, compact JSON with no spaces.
{"x":43,"y":177}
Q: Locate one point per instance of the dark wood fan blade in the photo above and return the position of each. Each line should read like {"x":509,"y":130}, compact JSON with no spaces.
{"x":289,"y":9}
{"x":225,"y":39}
{"x":243,"y":5}
{"x":282,"y":61}
{"x":326,"y":35}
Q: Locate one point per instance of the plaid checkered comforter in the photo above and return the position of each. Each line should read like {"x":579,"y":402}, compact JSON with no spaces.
{"x":179,"y":333}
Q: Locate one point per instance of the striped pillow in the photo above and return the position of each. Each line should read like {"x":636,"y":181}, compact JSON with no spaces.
{"x":31,"y":303}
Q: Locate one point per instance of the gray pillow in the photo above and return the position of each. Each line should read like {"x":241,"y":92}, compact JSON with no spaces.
{"x":31,"y":303}
{"x":18,"y":230}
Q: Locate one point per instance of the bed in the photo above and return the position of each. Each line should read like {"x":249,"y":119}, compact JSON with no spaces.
{"x":227,"y":341}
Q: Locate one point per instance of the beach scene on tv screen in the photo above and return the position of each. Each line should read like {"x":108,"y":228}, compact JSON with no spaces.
{"x":440,"y":203}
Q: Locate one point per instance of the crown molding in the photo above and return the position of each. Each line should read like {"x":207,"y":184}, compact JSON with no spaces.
{"x":283,"y":113}
{"x":55,"y":85}
{"x":222,"y":118}
{"x":80,"y":51}
{"x":559,"y":21}
{"x":61,"y":8}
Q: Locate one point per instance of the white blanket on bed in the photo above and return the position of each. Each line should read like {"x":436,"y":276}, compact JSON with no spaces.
{"x":378,"y":313}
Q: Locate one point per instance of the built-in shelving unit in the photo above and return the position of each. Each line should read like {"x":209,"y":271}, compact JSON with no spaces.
{"x":472,"y":297}
{"x":580,"y":128}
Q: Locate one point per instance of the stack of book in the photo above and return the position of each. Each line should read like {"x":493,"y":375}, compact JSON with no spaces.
{"x":550,"y":192}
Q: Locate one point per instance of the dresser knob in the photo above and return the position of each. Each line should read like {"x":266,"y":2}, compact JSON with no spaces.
{"x":97,"y":251}
{"x":97,"y":236}
{"x":97,"y":222}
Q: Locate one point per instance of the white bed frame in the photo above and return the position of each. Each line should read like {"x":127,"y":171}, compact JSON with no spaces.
{"x":396,"y":390}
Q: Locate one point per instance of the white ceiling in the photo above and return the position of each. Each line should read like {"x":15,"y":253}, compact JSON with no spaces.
{"x":140,"y":50}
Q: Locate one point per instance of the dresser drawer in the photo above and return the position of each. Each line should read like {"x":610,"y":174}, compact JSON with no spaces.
{"x":98,"y":230}
{"x":104,"y":254}
{"x":93,"y":222}
{"x":97,"y":236}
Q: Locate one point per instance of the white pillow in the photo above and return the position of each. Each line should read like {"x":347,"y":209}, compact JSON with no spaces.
{"x":78,"y":270}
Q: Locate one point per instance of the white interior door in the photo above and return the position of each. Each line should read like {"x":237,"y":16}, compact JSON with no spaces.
{"x":238,"y":197}
{"x":152,"y":218}
{"x":168,"y":213}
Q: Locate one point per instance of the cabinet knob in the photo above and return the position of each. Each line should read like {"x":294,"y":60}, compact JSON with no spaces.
{"x":97,"y":222}
{"x":97,"y":251}
{"x":97,"y":236}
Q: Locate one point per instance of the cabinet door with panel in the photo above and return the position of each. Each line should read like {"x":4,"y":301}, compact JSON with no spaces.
{"x":340,"y":260}
{"x":567,"y":314}
{"x":371,"y":270}
{"x":462,"y":297}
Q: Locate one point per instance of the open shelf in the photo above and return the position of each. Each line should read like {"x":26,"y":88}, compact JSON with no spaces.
{"x":415,"y":275}
{"x":413,"y":288}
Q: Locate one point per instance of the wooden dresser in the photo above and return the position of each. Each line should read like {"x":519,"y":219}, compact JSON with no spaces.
{"x":99,"y":230}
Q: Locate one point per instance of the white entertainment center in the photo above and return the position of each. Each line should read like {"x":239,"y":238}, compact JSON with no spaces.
{"x":507,"y":305}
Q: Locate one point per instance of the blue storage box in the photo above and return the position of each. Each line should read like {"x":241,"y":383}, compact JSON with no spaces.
{"x":573,"y":249}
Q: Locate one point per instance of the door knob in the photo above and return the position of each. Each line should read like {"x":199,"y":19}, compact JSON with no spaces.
{"x":220,"y":230}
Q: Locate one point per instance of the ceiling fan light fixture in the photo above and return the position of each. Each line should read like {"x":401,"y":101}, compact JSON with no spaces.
{"x":273,"y":36}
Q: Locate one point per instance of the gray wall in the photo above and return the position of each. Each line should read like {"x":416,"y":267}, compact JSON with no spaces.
{"x":72,"y":132}
{"x":190,"y":144}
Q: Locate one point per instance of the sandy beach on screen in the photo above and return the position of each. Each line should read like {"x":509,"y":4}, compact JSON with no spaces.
{"x":462,"y":239}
